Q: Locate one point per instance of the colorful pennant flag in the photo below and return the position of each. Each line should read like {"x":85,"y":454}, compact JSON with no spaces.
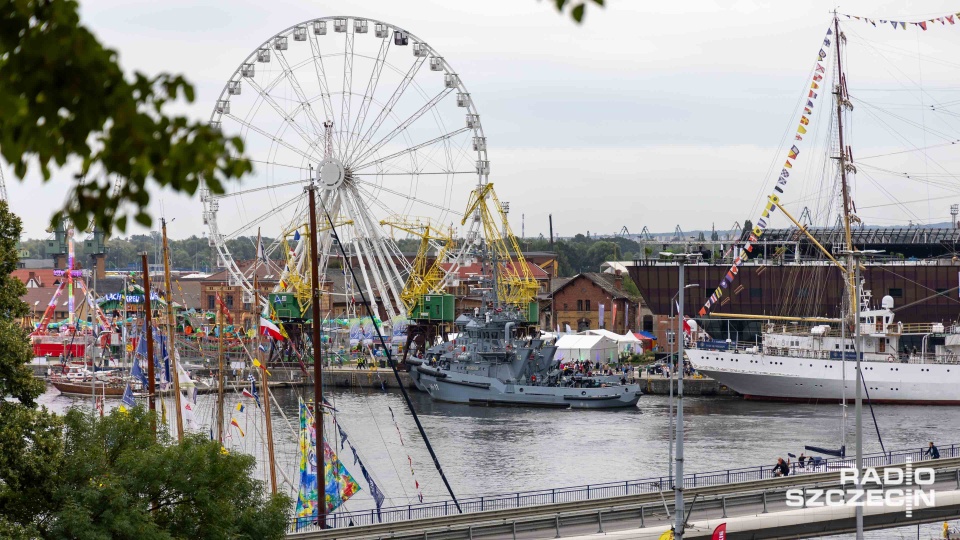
{"x":773,"y":199}
{"x":234,"y":423}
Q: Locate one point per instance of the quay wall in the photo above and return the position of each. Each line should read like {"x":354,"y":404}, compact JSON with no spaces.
{"x":383,"y":379}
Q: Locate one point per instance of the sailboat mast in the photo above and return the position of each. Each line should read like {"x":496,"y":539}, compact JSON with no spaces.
{"x":220,"y":312}
{"x":840,"y":92}
{"x":151,"y":376}
{"x":171,"y":326}
{"x":317,"y":351}
{"x":263,"y":372}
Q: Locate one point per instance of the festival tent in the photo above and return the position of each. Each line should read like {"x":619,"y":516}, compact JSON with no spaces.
{"x":594,"y":348}
{"x":625,"y":343}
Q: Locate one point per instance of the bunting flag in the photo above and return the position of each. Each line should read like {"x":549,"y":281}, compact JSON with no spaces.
{"x":240,"y":407}
{"x":234,"y":423}
{"x":224,"y":310}
{"x":717,"y":296}
{"x":923,"y":25}
{"x":416,"y":482}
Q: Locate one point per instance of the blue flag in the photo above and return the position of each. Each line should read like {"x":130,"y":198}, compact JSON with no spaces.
{"x":128,"y":397}
{"x":137,"y":372}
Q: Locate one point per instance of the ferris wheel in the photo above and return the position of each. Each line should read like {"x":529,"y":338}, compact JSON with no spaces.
{"x":378,"y":121}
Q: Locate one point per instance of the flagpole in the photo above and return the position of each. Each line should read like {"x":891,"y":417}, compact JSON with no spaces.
{"x":171,"y":337}
{"x":317,"y":371}
{"x":151,"y":376}
{"x":220,"y":369}
{"x":263,"y":366}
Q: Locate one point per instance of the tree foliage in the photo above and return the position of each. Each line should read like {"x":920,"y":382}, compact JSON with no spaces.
{"x":119,"y":481}
{"x":84,"y":477}
{"x":65,"y":98}
{"x":576,"y":9}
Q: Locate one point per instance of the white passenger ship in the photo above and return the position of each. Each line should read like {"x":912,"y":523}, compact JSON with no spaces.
{"x":817,"y":364}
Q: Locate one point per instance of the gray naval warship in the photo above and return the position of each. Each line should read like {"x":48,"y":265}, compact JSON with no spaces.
{"x":490,"y":363}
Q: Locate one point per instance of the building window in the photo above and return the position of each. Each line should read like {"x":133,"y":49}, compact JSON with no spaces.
{"x":648,"y":323}
{"x":579,"y":305}
{"x":803,"y":292}
{"x":211,"y":301}
{"x":565,"y":307}
{"x":230,"y":301}
{"x":588,"y":305}
{"x":896,"y":293}
{"x":756,"y":292}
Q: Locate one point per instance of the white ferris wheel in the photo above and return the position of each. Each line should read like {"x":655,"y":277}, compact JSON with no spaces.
{"x":377,"y":119}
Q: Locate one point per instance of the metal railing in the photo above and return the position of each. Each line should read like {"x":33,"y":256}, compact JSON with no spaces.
{"x":522,"y":499}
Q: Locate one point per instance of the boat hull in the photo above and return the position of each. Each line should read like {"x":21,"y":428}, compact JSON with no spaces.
{"x":784,"y":378}
{"x":484,"y":391}
{"x":86,"y":389}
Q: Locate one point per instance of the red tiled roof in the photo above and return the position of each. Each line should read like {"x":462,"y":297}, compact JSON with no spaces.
{"x":467,"y":271}
{"x":44,"y":276}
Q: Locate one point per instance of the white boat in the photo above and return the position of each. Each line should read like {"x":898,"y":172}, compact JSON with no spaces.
{"x":817,"y":364}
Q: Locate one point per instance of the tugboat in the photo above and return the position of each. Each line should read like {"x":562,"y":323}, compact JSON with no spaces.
{"x":491,"y":362}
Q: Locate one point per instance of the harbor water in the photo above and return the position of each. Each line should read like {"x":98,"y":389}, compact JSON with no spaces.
{"x":498,"y":450}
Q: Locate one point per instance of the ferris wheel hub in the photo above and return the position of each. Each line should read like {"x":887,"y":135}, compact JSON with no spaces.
{"x":331,"y":174}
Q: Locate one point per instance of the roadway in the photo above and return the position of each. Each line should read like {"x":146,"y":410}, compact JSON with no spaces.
{"x":751,"y":510}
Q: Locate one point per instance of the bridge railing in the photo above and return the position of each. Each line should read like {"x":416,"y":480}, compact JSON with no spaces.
{"x":608,"y":489}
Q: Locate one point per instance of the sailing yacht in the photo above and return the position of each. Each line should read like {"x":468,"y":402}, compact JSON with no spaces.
{"x":814,"y":360}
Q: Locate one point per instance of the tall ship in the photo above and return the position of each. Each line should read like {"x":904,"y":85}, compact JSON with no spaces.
{"x":818,"y":363}
{"x":811,"y":357}
{"x":491,"y":362}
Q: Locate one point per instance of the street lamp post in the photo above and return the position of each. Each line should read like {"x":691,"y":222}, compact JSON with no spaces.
{"x":853,"y":258}
{"x":672,"y":362}
{"x":681,"y":259}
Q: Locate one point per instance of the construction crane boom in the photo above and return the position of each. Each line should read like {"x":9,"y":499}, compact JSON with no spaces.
{"x":516,"y":284}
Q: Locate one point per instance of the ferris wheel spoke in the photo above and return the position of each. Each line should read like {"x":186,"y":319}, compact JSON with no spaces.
{"x":387,"y":109}
{"x":261,"y":188}
{"x":414,"y":173}
{"x":362,"y":256}
{"x":404,"y":195}
{"x":442,"y":138}
{"x":405,"y":124}
{"x":378,"y":65}
{"x":376,"y":240}
{"x":321,"y":78}
{"x":279,"y":110}
{"x":266,"y":135}
{"x":298,"y":89}
{"x":269,"y":213}
{"x":343,"y":134}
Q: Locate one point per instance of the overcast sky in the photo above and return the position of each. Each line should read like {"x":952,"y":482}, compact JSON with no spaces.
{"x":648,"y":114}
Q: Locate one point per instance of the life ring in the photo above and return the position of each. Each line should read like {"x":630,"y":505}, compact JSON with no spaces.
{"x":891,"y":358}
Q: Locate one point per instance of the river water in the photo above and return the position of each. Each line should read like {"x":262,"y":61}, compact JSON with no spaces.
{"x":497,"y":450}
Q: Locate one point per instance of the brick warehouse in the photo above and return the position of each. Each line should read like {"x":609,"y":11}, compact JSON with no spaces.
{"x":577,"y":303}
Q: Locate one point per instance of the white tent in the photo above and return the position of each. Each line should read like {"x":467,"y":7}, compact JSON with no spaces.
{"x":586,"y":347}
{"x":625,"y":343}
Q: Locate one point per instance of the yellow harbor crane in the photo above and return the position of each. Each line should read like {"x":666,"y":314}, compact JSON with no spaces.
{"x":424,"y":279}
{"x":516,"y":284}
{"x":296,"y":278}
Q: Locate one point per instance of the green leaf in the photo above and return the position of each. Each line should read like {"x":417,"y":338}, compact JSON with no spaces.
{"x":577,"y":12}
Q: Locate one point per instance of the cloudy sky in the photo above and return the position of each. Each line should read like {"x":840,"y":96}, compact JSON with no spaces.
{"x":648,"y":114}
